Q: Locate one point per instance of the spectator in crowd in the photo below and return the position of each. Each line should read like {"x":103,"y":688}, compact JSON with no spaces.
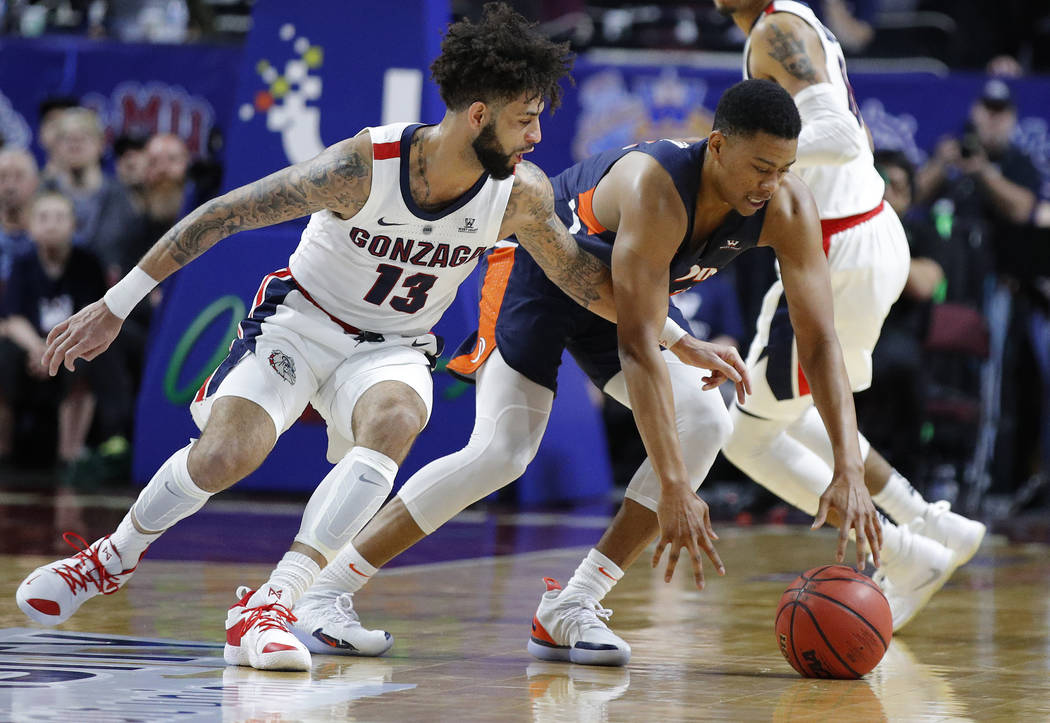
{"x":19,"y":179}
{"x":49,"y":111}
{"x":985,"y":181}
{"x":106,"y":221}
{"x":129,"y":163}
{"x":47,"y":284}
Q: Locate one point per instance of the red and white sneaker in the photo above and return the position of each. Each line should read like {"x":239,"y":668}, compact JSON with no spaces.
{"x":259,"y":636}
{"x":52,"y":593}
{"x":567,"y":628}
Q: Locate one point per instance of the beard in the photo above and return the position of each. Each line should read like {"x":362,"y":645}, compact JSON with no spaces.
{"x":496,"y":162}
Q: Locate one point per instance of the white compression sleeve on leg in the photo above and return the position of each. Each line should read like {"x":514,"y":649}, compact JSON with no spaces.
{"x":831,"y":134}
{"x":170,"y":496}
{"x":347,"y":498}
{"x":702,"y":422}
{"x":512,"y":414}
{"x":764,"y":451}
{"x":809,"y":429}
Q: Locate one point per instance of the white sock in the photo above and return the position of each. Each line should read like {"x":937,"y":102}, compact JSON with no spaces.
{"x":169,"y":497}
{"x":348,"y":572}
{"x":289,"y":580}
{"x":892,"y":538}
{"x":900,"y":499}
{"x":595,"y":576}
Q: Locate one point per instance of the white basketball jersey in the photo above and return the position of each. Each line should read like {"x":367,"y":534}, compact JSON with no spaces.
{"x":394,"y":267}
{"x":853,"y":187}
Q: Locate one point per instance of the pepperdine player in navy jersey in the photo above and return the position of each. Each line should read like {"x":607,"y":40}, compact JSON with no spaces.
{"x":399,"y":215}
{"x":664,"y":216}
{"x":778,"y":438}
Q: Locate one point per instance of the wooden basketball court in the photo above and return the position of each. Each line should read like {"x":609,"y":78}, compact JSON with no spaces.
{"x":153,"y":652}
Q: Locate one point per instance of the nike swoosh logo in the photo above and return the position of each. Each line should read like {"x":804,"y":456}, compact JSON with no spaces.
{"x":416,"y":343}
{"x":30,"y":580}
{"x":354,"y":569}
{"x":371,"y":481}
{"x":389,"y":223}
{"x":602,"y":571}
{"x":935,"y":573}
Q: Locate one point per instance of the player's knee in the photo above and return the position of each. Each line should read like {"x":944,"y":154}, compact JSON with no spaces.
{"x":218,"y":461}
{"x":504,"y":458}
{"x":391,"y":424}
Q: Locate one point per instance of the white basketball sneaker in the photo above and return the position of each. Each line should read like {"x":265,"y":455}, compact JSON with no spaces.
{"x":258,"y":636}
{"x":52,"y":593}
{"x":959,"y":534}
{"x":327,"y":623}
{"x":567,"y":628}
{"x":920,"y":569}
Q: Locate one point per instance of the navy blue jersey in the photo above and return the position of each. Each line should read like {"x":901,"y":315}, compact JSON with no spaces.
{"x":532,"y":321}
{"x":574,"y":189}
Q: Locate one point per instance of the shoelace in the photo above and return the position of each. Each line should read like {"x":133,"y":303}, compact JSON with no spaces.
{"x":585,"y":613}
{"x":89,"y":568}
{"x":344,"y":605}
{"x":269,"y":617}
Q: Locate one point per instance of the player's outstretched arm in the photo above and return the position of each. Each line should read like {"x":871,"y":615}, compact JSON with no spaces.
{"x":792,"y":228}
{"x":531,"y":218}
{"x":339,"y":179}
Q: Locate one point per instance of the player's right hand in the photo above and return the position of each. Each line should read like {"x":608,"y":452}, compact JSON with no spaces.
{"x":85,"y":335}
{"x":685,"y":521}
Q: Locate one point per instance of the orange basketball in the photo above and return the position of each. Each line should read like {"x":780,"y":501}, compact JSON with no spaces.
{"x":833,"y":622}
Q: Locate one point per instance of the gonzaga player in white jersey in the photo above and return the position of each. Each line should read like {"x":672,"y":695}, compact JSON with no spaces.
{"x":779,"y":439}
{"x":399,"y":216}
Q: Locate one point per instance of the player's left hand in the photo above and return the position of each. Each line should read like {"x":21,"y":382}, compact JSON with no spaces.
{"x":849,"y":499}
{"x":722,"y":360}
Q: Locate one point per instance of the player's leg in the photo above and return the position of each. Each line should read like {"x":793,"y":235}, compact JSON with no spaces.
{"x":236,"y":439}
{"x":512,"y":413}
{"x":567,"y":625}
{"x":893,"y":493}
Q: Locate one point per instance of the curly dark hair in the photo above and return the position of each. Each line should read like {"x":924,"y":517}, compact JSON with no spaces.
{"x":498,"y":59}
{"x":757,"y":105}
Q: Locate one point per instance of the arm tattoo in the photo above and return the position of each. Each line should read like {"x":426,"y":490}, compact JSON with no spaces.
{"x":790,"y":52}
{"x":339,"y":179}
{"x":531,"y":206}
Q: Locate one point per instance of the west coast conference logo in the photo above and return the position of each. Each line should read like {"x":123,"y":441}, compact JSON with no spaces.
{"x":285,"y":98}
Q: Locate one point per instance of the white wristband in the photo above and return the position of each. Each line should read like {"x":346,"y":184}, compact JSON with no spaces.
{"x":671,"y":333}
{"x":129,"y":291}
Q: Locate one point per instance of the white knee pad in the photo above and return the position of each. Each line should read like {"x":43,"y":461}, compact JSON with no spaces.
{"x":702,"y":422}
{"x":512,"y":414}
{"x":348,"y":497}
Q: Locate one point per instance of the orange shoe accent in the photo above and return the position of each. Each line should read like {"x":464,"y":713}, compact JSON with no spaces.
{"x":552,"y":584}
{"x":497,"y":276}
{"x":542,"y":635}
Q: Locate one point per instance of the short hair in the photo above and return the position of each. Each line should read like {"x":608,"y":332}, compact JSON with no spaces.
{"x":498,"y":59}
{"x":128,"y":142}
{"x":757,"y":105}
{"x":84,"y":118}
{"x":49,"y":193}
{"x":893,"y":157}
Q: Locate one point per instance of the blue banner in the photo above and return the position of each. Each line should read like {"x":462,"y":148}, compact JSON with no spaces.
{"x":143,"y":89}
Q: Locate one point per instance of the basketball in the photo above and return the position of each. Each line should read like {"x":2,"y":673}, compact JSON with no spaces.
{"x":833,"y":622}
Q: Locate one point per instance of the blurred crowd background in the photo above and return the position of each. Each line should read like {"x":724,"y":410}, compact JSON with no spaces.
{"x":961,"y":396}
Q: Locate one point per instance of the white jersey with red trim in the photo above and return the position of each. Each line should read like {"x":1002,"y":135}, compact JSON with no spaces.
{"x":855,"y":186}
{"x":394,"y":267}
